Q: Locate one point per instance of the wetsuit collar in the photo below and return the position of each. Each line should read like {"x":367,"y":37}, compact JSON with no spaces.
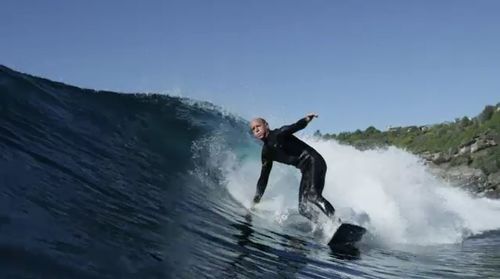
{"x":264,"y":139}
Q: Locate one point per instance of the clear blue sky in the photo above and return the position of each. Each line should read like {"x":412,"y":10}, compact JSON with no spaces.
{"x":356,"y":63}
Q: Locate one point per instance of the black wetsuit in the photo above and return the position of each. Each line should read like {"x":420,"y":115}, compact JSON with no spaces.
{"x":282,"y":146}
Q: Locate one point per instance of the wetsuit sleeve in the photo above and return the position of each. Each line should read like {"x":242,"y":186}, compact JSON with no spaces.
{"x":290,"y":129}
{"x":267,"y":164}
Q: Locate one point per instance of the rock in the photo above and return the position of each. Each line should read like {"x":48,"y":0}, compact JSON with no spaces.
{"x":462,"y":176}
{"x":494,"y":180}
{"x":440,"y":157}
{"x":426,"y":155}
{"x":466,"y":177}
{"x":493,"y":193}
{"x":457,"y":160}
{"x":481,"y":144}
{"x":463,"y":150}
{"x":437,"y":158}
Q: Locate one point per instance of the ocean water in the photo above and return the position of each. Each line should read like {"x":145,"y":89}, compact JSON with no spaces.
{"x":98,"y":184}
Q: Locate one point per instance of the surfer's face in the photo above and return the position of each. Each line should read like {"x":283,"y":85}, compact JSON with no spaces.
{"x":259,"y":128}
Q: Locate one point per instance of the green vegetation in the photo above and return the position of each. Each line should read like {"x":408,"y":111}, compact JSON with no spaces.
{"x":465,"y":141}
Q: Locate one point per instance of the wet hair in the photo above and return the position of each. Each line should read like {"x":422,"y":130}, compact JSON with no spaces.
{"x":262,"y":120}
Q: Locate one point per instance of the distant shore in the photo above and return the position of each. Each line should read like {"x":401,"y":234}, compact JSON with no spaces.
{"x":465,"y":152}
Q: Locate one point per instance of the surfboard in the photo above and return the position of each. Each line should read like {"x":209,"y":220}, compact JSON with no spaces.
{"x":347,"y":234}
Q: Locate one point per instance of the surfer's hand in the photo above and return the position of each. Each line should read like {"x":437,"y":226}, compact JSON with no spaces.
{"x":311,"y":116}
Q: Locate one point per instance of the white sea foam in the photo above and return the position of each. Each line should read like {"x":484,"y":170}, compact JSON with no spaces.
{"x":390,"y":192}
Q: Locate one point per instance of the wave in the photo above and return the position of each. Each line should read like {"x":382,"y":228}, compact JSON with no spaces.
{"x":154,"y":185}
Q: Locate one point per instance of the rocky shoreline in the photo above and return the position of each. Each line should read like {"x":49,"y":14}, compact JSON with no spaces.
{"x":455,"y":167}
{"x":465,"y":152}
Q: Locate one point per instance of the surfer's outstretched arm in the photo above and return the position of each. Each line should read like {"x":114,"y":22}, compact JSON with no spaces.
{"x":264,"y":176}
{"x":297,"y":126}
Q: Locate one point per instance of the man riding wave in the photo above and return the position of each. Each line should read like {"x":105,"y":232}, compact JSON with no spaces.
{"x":282,"y":146}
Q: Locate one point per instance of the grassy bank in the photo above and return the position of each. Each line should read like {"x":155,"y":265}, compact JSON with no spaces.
{"x":464,"y":141}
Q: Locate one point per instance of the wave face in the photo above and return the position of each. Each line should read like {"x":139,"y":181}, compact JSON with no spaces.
{"x":98,"y":184}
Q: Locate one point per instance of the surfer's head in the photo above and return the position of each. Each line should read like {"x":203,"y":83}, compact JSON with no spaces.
{"x":260,"y":128}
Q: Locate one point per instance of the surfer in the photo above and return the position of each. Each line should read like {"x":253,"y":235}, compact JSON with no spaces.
{"x":282,"y":146}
